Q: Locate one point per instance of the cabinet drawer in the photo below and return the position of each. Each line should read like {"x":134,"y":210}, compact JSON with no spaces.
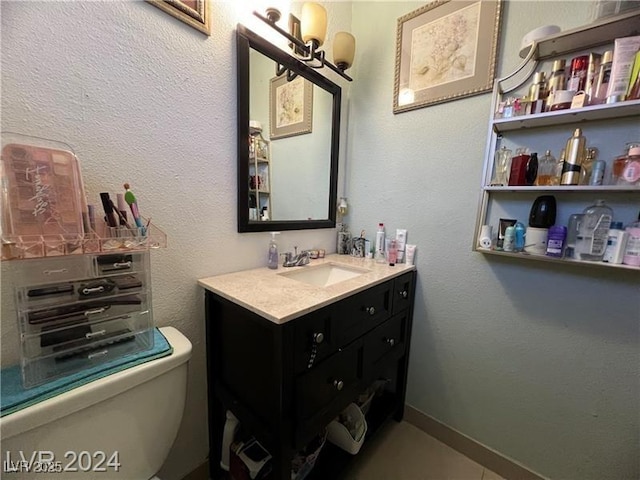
{"x":385,"y":338}
{"x":314,"y":339}
{"x":358,"y":314}
{"x":403,"y":292}
{"x":327,"y":382}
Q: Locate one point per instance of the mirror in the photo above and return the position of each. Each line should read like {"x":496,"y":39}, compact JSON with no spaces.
{"x":288,"y":139}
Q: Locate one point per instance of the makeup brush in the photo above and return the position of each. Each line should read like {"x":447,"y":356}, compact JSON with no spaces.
{"x":130,"y":198}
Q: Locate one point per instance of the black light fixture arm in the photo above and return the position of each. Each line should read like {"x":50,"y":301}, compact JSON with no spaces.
{"x":311,"y":50}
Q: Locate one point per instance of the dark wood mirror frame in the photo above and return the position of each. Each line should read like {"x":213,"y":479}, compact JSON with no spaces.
{"x":247,"y":39}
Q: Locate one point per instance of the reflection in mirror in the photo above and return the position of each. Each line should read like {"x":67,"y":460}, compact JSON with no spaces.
{"x":287,"y":171}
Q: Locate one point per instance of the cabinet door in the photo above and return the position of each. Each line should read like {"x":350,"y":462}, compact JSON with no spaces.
{"x":327,"y":382}
{"x":360,"y":313}
{"x":314,"y":339}
{"x":402,"y":292}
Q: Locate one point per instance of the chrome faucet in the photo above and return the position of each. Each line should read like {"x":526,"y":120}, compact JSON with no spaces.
{"x":297,"y":259}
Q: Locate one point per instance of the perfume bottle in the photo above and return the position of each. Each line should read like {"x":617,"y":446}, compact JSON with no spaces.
{"x":501,"y":166}
{"x":587,"y":165}
{"x":546,"y":169}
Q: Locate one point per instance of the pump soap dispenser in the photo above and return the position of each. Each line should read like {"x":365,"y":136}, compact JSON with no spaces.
{"x":272,"y":260}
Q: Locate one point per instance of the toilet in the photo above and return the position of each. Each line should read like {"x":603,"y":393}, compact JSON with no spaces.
{"x":119,"y":427}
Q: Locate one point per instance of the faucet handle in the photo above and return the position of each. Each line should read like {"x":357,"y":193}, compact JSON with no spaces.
{"x":287,"y":256}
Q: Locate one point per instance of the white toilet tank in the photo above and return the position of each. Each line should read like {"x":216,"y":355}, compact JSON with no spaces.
{"x":119,"y":427}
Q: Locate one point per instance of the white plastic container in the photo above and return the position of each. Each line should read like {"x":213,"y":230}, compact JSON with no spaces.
{"x":632,"y":249}
{"x":593,"y":232}
{"x":616,"y":243}
{"x":339,"y":435}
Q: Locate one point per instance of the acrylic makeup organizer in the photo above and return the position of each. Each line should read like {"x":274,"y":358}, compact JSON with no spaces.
{"x":83,"y":290}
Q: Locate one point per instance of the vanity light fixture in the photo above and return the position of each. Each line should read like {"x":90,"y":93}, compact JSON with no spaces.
{"x":313,"y":30}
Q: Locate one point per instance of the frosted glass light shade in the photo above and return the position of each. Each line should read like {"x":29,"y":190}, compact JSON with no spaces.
{"x":344,"y":48}
{"x":313,"y":23}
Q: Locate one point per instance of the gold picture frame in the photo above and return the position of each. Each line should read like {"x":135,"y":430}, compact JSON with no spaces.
{"x":445,"y":50}
{"x":290,"y":107}
{"x":193,"y":12}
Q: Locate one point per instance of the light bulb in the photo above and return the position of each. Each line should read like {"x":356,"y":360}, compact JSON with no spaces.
{"x":344,"y":49}
{"x":313,"y":23}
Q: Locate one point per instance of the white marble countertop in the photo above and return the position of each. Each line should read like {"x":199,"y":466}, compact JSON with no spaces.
{"x":275,"y":297}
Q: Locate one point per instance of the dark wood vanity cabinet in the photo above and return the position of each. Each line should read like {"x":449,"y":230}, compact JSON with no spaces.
{"x":286,"y":382}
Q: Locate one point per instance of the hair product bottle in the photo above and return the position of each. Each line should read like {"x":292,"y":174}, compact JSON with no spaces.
{"x":574,"y":156}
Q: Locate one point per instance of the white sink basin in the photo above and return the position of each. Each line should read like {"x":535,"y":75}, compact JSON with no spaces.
{"x":325,"y":275}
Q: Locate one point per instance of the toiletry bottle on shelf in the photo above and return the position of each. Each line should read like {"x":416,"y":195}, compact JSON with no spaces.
{"x":593,"y":232}
{"x":578,"y":73}
{"x":379,"y":254}
{"x":557,"y":81}
{"x":555,"y":240}
{"x":546,"y":169}
{"x":509,"y":241}
{"x":272,"y":259}
{"x":597,"y":173}
{"x":573,"y":225}
{"x":616,"y":243}
{"x":518,"y":246}
{"x":501,"y":167}
{"x":575,"y":152}
{"x":631,"y":169}
{"x":392,"y":253}
{"x":557,"y":173}
{"x":602,"y":79}
{"x":587,"y":166}
{"x":632,"y":249}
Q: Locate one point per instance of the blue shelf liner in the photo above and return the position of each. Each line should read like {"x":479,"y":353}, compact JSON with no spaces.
{"x":14,"y":397}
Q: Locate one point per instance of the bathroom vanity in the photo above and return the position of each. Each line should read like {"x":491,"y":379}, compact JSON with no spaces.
{"x":289,"y":349}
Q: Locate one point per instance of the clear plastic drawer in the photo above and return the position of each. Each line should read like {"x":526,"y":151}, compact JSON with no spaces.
{"x":43,"y":369}
{"x":43,"y":320}
{"x":66,"y":293}
{"x":73,"y":340}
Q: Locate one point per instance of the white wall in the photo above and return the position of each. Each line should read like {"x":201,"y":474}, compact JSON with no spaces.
{"x":538,"y":362}
{"x":144,"y":98}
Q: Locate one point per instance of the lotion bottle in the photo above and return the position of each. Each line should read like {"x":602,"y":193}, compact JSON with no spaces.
{"x":379,"y":253}
{"x":272,"y":259}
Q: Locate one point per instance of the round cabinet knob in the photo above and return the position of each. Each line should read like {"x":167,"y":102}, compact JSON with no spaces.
{"x":370,"y":310}
{"x":339,"y":384}
{"x":404,"y":294}
{"x":318,"y":337}
{"x":390,"y":341}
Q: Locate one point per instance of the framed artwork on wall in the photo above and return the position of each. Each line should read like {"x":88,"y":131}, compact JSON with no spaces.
{"x":192,"y":12}
{"x":445,"y":50}
{"x":290,"y":107}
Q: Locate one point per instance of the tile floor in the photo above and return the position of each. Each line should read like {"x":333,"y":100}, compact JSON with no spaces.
{"x":403,"y":452}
